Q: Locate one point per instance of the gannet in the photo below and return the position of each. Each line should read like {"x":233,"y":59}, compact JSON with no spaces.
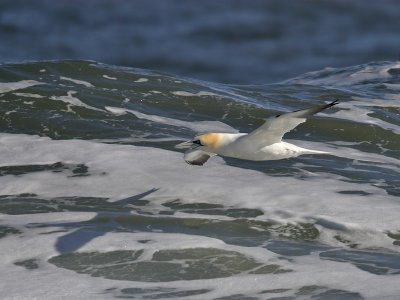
{"x":264,"y":143}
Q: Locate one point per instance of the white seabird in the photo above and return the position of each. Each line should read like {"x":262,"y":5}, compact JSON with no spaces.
{"x":264,"y":143}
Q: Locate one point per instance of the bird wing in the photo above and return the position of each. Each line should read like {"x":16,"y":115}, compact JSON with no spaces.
{"x":275,"y":128}
{"x":197,"y":157}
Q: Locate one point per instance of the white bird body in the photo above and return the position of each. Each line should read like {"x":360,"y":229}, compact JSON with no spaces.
{"x":280,"y":150}
{"x":264,"y":143}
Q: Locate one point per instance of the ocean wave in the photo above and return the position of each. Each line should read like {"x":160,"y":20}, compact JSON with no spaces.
{"x":89,"y":169}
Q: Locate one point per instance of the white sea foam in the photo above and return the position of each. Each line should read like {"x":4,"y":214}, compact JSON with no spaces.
{"x":199,"y":126}
{"x":110,"y":77}
{"x":73,"y":101}
{"x":198,"y":94}
{"x":155,"y":168}
{"x":360,"y":115}
{"x":359,"y":109}
{"x":119,"y":171}
{"x":29,"y":95}
{"x":29,"y":102}
{"x":44,"y":282}
{"x":141,"y":80}
{"x":12,"y":86}
{"x":81,"y":82}
{"x":370,"y":72}
{"x":393,"y":86}
{"x":350,"y":153}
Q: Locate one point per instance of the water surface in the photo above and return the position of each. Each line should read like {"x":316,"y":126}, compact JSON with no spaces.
{"x":94,"y":196}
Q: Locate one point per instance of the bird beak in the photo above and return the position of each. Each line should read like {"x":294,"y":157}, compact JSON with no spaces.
{"x":185,"y":145}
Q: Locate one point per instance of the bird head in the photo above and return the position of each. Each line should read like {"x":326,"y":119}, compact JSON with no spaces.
{"x":207,"y":142}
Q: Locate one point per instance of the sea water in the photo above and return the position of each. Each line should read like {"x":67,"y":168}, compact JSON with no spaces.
{"x":96,"y":203}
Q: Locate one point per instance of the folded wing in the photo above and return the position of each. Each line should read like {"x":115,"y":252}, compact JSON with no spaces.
{"x":197,"y":157}
{"x":275,"y":128}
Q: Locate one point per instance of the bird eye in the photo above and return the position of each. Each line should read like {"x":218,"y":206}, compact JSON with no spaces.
{"x":197,"y":142}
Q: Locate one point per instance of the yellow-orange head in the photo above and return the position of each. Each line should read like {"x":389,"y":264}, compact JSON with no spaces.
{"x":210,"y":140}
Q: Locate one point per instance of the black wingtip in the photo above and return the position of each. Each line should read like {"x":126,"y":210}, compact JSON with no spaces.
{"x":333,"y":103}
